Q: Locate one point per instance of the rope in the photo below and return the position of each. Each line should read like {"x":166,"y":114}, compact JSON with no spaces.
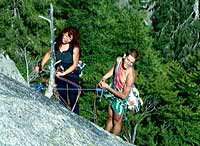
{"x":61,"y":99}
{"x":70,"y":82}
{"x":99,"y":91}
{"x":76,"y":85}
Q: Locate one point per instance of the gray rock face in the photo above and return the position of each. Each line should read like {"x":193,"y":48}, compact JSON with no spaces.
{"x":28,"y":118}
{"x":8,"y":67}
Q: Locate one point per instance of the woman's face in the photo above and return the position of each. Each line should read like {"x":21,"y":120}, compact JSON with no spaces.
{"x":128,"y":61}
{"x":66,"y":38}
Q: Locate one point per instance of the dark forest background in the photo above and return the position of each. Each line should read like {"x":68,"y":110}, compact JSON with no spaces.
{"x":166,"y":34}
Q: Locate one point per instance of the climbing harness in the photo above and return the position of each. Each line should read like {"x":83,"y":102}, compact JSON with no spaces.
{"x":79,"y":69}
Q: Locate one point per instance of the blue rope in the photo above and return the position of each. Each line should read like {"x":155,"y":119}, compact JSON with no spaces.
{"x":99,"y":91}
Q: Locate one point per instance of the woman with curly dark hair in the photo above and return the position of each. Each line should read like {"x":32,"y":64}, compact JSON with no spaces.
{"x":67,"y":52}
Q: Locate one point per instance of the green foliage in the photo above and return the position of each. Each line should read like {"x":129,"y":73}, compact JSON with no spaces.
{"x":177,"y":37}
{"x":176,"y":119}
{"x":176,"y":31}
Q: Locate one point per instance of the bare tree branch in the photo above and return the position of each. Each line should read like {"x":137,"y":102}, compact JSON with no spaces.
{"x":162,"y":30}
{"x":123,"y":3}
{"x":27,"y":66}
{"x":150,"y":12}
{"x":14,"y":9}
{"x":49,"y":91}
{"x":196,"y":10}
{"x":26,"y":63}
{"x":149,"y":110}
{"x":49,"y":20}
{"x":181,"y":25}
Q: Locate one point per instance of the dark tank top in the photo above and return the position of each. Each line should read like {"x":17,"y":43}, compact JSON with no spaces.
{"x":66,"y":58}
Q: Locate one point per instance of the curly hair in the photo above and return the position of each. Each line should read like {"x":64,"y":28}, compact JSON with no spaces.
{"x":72,"y":31}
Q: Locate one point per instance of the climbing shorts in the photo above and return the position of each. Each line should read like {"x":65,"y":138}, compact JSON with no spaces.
{"x":118,"y":105}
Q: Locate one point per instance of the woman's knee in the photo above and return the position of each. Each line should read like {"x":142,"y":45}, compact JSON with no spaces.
{"x":110,"y":118}
{"x":117,"y":119}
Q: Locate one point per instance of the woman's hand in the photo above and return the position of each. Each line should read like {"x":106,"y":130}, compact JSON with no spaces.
{"x":37,"y":69}
{"x":59,"y":74}
{"x":103,"y":84}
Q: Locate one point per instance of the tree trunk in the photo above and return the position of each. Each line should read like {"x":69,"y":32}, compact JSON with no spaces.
{"x":49,"y":91}
{"x":196,"y":9}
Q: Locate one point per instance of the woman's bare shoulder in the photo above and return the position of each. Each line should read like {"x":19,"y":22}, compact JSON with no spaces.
{"x":118,"y":60}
